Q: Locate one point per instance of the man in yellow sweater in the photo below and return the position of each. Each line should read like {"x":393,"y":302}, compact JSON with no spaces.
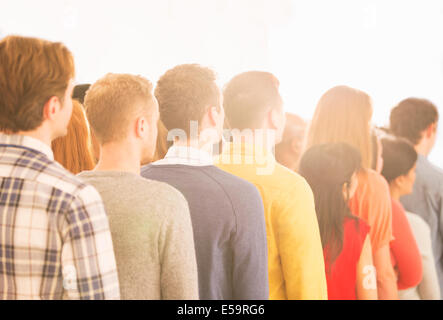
{"x":254,"y":113}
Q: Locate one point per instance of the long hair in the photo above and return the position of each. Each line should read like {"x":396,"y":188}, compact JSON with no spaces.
{"x":73,"y":151}
{"x":327,"y":167}
{"x":343,"y":114}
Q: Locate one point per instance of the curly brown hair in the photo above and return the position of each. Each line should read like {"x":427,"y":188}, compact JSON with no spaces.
{"x":411,"y":117}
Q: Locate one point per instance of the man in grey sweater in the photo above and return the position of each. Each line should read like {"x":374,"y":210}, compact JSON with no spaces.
{"x":226,"y":211}
{"x":149,"y":220}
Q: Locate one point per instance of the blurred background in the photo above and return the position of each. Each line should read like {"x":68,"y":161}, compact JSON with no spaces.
{"x":390,"y":49}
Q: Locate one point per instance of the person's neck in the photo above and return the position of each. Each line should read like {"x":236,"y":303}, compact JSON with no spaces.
{"x":395,"y":193}
{"x":265,"y":141}
{"x":202,"y":146}
{"x":39,"y":134}
{"x":121,"y":157}
{"x":422,"y":148}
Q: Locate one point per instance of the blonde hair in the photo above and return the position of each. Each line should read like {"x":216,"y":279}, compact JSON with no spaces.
{"x":343,"y":114}
{"x":113,"y":101}
{"x":73,"y":151}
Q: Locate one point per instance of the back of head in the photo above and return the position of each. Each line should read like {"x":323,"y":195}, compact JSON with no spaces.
{"x":31,"y":72}
{"x":294,"y":129}
{"x":343,"y":114}
{"x":73,"y":151}
{"x":184,"y":94}
{"x":114,"y":102}
{"x":411,"y":117}
{"x":80,"y":92}
{"x":327,"y":167}
{"x":248,"y":97}
{"x":399,"y":157}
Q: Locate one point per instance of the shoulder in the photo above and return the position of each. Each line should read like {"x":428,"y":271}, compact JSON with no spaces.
{"x":372,"y":179}
{"x":418,"y":223}
{"x":429,"y":174}
{"x":290,"y":183}
{"x":229,"y":180}
{"x":357,"y":225}
{"x":64,"y":181}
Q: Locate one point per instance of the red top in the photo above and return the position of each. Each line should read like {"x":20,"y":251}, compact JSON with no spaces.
{"x":405,"y":255}
{"x":342,"y":276}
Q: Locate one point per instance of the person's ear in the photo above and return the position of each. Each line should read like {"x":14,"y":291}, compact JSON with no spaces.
{"x":213,"y":116}
{"x":141,"y":127}
{"x":432,"y":128}
{"x":273,"y":118}
{"x":51,"y":108}
{"x":399,"y":181}
{"x":295,"y":146}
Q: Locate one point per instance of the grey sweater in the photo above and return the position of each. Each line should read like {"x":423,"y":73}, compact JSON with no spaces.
{"x":426,"y":200}
{"x":229,"y":230}
{"x":152,"y":236}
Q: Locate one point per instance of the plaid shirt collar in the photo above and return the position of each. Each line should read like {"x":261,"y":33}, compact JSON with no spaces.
{"x":186,"y":156}
{"x":26,"y":142}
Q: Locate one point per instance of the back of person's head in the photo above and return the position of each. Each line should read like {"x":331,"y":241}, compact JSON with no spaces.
{"x":343,"y":114}
{"x":330,"y":170}
{"x":411,"y":117}
{"x":249,"y":97}
{"x":289,"y":150}
{"x":33,"y":72}
{"x":80,"y":92}
{"x":73,"y":151}
{"x":118,"y":106}
{"x":399,"y":157}
{"x":185,"y":93}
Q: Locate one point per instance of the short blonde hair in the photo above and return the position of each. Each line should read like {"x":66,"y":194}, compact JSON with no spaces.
{"x":343,"y":114}
{"x":114,"y":101}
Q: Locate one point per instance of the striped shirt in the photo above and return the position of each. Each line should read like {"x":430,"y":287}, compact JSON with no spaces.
{"x":55,"y":241}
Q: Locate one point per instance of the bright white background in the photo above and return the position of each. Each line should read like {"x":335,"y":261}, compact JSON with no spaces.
{"x":391,"y":49}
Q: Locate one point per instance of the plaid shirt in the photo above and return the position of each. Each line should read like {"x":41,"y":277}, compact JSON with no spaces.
{"x":55,"y":241}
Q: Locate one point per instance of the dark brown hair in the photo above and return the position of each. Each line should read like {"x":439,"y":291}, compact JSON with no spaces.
{"x":31,"y":72}
{"x":399,"y":157}
{"x":327,"y":167}
{"x":411,"y":117}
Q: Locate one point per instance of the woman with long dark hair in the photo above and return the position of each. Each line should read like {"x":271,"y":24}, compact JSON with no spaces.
{"x":331,"y":171}
{"x":344,"y":114}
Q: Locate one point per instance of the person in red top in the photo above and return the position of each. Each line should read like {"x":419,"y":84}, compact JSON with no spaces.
{"x":399,"y":158}
{"x":331,"y":171}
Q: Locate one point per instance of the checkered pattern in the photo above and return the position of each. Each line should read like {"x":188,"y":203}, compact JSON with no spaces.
{"x":55,"y":241}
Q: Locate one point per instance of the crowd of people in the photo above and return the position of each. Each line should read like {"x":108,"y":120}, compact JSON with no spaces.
{"x":185,"y":190}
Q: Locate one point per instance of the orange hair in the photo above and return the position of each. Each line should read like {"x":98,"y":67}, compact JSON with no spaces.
{"x":343,"y":114}
{"x":73,"y":151}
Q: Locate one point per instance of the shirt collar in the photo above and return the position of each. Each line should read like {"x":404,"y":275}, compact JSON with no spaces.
{"x":187,"y":156}
{"x":26,"y":142}
{"x":246,"y":149}
{"x":249,"y":153}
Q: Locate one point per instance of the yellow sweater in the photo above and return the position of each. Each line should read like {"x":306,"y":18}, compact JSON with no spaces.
{"x":296,"y":264}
